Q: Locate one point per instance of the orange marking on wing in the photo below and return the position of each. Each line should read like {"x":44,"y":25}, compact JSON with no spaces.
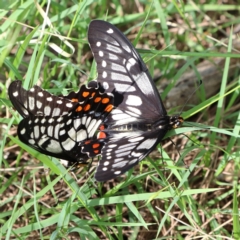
{"x":97,"y":99}
{"x":96,"y":151}
{"x":109,"y":108}
{"x":79,"y":109}
{"x":85,"y":94}
{"x":96,"y":145}
{"x":87,"y":142}
{"x":87,"y":107}
{"x":105,"y":100}
{"x":93,"y":94}
{"x":74,"y":100}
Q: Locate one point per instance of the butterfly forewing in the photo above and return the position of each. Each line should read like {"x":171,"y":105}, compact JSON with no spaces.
{"x":122,"y":71}
{"x":38,"y":102}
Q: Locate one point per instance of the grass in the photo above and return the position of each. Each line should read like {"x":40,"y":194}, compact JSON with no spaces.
{"x":160,"y":198}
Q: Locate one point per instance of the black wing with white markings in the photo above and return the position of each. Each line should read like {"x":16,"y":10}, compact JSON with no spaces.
{"x":122,"y":71}
{"x":139,"y":121}
{"x":38,"y":102}
{"x":62,"y":136}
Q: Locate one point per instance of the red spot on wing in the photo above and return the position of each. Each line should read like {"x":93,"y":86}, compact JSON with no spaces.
{"x":101,"y":135}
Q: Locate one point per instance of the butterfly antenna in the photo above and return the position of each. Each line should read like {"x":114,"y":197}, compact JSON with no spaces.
{"x":199,"y":84}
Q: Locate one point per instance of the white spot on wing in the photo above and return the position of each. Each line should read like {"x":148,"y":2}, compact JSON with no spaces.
{"x":98,"y":44}
{"x":47,"y":110}
{"x":122,"y":154}
{"x":118,"y":67}
{"x":31,"y":103}
{"x":120,"y":164}
{"x":106,"y":163}
{"x":81,"y":135}
{"x":59,"y":119}
{"x":15,"y":94}
{"x":131,"y":63}
{"x":112,"y":56}
{"x":39,"y":104}
{"x":84,"y":120}
{"x":69,"y":105}
{"x":104,"y":63}
{"x":114,"y":49}
{"x":31,"y":141}
{"x":50,"y":131}
{"x":68,"y":144}
{"x":56,"y":130}
{"x":133,"y":112}
{"x":88,"y":121}
{"x":43,"y":129}
{"x":62,"y":132}
{"x":100,"y":53}
{"x":136,"y":154}
{"x":134,"y":100}
{"x":77,"y":123}
{"x":54,"y":147}
{"x":56,"y":112}
{"x":104,"y":74}
{"x":105,"y":85}
{"x":127,"y":48}
{"x":110,"y":31}
{"x":112,"y":145}
{"x":23,"y":131}
{"x":147,"y":144}
{"x":136,"y":139}
{"x":120,"y":77}
{"x":124,"y":87}
{"x":93,"y":127}
{"x":69,"y":121}
{"x":36,"y":131}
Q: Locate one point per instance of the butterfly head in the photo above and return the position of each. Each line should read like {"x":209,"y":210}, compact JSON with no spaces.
{"x":176,"y":121}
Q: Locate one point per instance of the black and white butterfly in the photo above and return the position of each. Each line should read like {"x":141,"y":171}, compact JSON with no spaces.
{"x":60,"y":126}
{"x":139,"y":121}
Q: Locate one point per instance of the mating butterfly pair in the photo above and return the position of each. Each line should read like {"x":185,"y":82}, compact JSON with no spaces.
{"x":128,"y":133}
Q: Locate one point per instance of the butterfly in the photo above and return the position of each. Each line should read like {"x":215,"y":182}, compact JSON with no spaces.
{"x":139,"y":120}
{"x":58,"y":126}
